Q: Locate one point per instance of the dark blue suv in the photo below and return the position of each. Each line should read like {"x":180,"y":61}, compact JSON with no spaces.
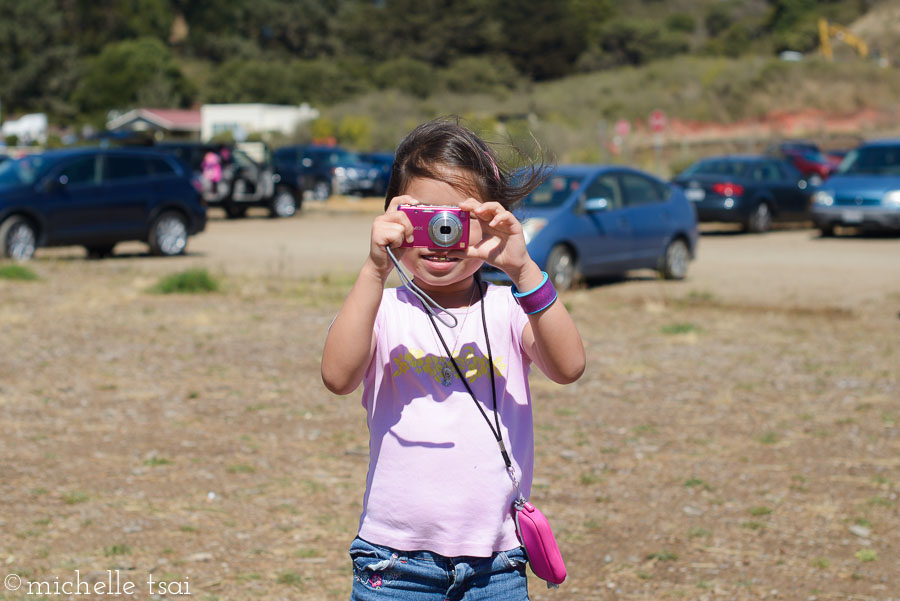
{"x":326,"y":170}
{"x":97,"y":197}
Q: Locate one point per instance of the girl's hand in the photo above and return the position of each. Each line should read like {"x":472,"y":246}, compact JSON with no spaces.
{"x":390,"y":230}
{"x":502,"y":243}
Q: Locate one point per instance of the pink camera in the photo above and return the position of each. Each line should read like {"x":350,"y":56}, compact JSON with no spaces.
{"x":437,"y":226}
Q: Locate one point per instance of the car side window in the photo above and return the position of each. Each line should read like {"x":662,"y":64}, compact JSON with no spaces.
{"x":82,"y":170}
{"x":766,"y":172}
{"x":125,"y":167}
{"x":640,"y":190}
{"x":606,"y":186}
{"x":788,"y":172}
{"x":161,"y":167}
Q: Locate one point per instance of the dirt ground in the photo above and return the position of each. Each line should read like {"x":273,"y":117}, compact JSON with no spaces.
{"x":735,"y":436}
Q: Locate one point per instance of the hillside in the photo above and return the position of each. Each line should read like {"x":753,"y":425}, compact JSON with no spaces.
{"x":742,"y":102}
{"x":565,"y":71}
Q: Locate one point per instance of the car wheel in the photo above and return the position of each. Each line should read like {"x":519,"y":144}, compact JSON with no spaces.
{"x":19,"y":238}
{"x":826,"y":231}
{"x":675,"y":262}
{"x":562,"y":267}
{"x":98,"y":251}
{"x":321,"y":190}
{"x":235,"y":211}
{"x":168,"y":234}
{"x":284,"y":204}
{"x":761,"y":219}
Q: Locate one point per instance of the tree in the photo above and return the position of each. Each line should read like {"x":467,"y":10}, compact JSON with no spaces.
{"x":543,"y":39}
{"x":92,"y":24}
{"x":433,"y":31}
{"x":284,"y":81}
{"x":126,"y":72}
{"x":38,"y":70}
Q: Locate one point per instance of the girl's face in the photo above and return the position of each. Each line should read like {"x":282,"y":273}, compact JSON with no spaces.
{"x":434,"y":267}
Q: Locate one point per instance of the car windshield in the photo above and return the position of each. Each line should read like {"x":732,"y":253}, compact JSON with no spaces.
{"x":814,"y":156}
{"x":22,"y":172}
{"x":552,"y":192}
{"x":872,"y":160}
{"x":241,"y":158}
{"x":341,"y":157}
{"x":722,"y":167}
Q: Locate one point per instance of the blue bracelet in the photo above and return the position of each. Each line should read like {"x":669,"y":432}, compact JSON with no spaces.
{"x":537,"y":299}
{"x":517,"y":294}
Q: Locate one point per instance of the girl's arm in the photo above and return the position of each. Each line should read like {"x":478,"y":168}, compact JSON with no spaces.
{"x":350,"y":343}
{"x":550,"y":338}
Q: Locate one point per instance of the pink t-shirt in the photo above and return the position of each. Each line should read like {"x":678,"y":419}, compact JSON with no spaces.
{"x":437,"y":481}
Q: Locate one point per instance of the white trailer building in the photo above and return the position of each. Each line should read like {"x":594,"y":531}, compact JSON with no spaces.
{"x":244,"y":119}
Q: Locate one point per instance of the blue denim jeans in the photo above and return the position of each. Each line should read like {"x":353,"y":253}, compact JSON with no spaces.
{"x":381,"y":573}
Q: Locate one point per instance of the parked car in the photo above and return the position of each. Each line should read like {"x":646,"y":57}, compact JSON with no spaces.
{"x":326,"y":170}
{"x":836,"y":157}
{"x":245,"y":182}
{"x":807,"y":158}
{"x":601,"y":220}
{"x":750,"y":190}
{"x":864,"y":192}
{"x":384,"y":161}
{"x":95,"y":198}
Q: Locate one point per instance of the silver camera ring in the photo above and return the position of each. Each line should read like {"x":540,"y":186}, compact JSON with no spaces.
{"x":445,"y":229}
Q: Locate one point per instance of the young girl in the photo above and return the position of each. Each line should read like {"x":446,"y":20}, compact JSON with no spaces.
{"x":437,"y":519}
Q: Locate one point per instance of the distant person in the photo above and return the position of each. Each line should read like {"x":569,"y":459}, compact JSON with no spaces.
{"x":437,"y":519}
{"x":212,"y":172}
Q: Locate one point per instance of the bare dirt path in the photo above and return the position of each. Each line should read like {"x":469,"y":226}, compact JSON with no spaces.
{"x":788,"y":266}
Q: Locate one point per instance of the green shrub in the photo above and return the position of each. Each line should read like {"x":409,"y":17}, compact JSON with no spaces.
{"x":16,"y":272}
{"x":683,"y":22}
{"x":474,"y":75}
{"x":407,"y":75}
{"x":192,"y":281}
{"x":680,"y":328}
{"x":355,"y":131}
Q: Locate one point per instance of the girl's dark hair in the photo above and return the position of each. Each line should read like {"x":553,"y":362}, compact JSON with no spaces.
{"x":442,"y":148}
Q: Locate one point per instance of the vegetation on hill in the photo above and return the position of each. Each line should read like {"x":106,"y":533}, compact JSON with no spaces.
{"x":376,"y":66}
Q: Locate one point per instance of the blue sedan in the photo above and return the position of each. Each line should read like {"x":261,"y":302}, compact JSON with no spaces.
{"x":596,"y":220}
{"x":864,"y":192}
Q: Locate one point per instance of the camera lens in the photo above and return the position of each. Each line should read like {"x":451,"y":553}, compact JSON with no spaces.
{"x":445,"y":229}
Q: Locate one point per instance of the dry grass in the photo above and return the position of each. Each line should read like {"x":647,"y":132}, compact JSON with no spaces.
{"x":712,"y":450}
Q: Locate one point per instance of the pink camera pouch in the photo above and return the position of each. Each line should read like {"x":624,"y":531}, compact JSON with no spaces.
{"x":536,"y":536}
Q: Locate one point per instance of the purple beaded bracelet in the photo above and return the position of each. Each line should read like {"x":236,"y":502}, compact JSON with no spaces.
{"x":538,"y":299}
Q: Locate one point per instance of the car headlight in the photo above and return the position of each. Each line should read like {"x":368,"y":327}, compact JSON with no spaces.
{"x":824,"y":198}
{"x":530,"y":227}
{"x":892,"y":198}
{"x":340,"y":171}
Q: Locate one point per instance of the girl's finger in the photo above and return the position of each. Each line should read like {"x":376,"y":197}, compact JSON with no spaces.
{"x":403,"y":199}
{"x":401,"y":218}
{"x":486,"y":211}
{"x":470,"y":204}
{"x":390,"y":234}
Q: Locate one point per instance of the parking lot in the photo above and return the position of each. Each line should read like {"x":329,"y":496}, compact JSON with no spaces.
{"x":736,"y":435}
{"x":792,"y":265}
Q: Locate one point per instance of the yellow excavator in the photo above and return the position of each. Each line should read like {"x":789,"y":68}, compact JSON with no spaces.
{"x":828,"y":30}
